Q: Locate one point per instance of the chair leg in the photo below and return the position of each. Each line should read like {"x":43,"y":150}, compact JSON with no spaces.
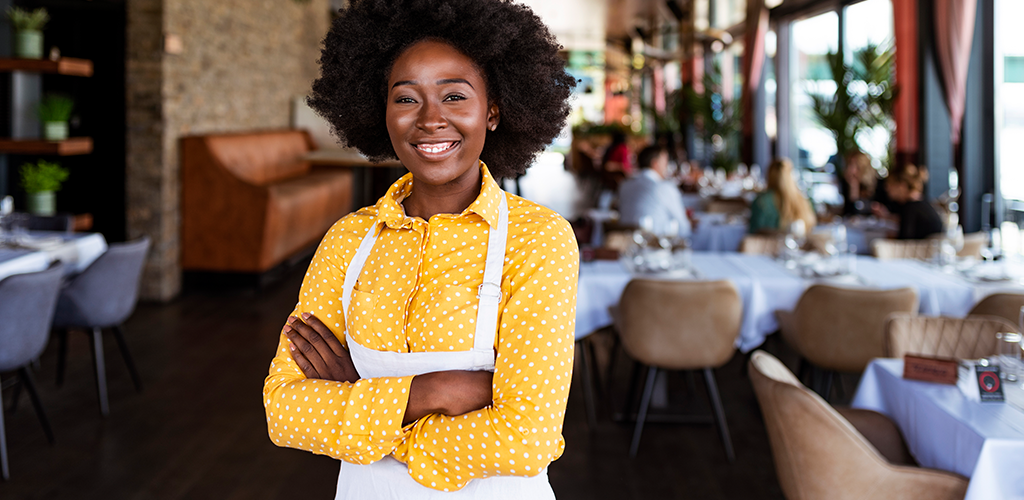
{"x":30,"y":386}
{"x":588,"y":383}
{"x":826,"y":384}
{"x":803,"y":370}
{"x":612,"y":354}
{"x":123,"y":346}
{"x":716,"y":405}
{"x":12,"y":406}
{"x":634,"y":379}
{"x":4,"y":470}
{"x":62,"y":355}
{"x":645,"y":402}
{"x":101,"y":370}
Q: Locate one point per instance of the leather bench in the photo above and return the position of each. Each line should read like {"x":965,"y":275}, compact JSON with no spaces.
{"x":250,"y":201}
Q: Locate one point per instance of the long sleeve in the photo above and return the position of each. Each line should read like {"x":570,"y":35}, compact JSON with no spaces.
{"x":359,"y":422}
{"x":520,"y":434}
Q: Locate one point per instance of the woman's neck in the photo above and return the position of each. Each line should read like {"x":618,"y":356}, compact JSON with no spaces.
{"x":426,"y":201}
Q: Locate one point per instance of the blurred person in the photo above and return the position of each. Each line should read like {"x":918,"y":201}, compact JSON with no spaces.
{"x":403,"y":357}
{"x":859,"y":184}
{"x":651,"y":193}
{"x":781,"y":203}
{"x":916,"y":217}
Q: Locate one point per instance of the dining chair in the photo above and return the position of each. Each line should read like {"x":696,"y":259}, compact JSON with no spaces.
{"x":837,"y":329}
{"x":962,"y":338}
{"x":885,"y":249}
{"x":729,"y":206}
{"x":27,"y":302}
{"x":973,"y":243}
{"x":61,"y":222}
{"x":1005,"y":305}
{"x":102,"y":297}
{"x":761,"y":244}
{"x":680,"y":325}
{"x":821,"y":452}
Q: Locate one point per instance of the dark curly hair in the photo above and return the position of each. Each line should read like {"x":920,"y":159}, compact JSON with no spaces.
{"x":516,"y":53}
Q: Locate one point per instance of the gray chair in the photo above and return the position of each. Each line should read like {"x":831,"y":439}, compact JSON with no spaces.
{"x":102,"y":297}
{"x":27,"y":303}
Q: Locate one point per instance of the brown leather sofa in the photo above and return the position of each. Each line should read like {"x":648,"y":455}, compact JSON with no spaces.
{"x":249,"y":201}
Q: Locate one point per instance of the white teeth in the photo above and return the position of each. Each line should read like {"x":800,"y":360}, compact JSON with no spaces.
{"x":435,"y":148}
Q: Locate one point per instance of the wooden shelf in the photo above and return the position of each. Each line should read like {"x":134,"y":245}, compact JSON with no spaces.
{"x":63,"y":66}
{"x":72,"y":146}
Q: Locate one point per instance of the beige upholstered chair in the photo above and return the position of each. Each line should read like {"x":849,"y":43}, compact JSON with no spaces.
{"x":761,"y":244}
{"x":680,"y":325}
{"x":904,"y":249}
{"x":973,"y":243}
{"x":842,"y":329}
{"x":1004,"y":305}
{"x":963,"y":338}
{"x":821,"y":453}
{"x":732,"y":206}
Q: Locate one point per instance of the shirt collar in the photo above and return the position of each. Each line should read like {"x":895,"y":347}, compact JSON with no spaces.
{"x":391,"y":212}
{"x":651,"y":174}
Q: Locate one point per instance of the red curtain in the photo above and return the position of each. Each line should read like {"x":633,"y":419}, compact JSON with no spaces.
{"x":753,"y":65}
{"x":954,"y":31}
{"x":906,"y":107}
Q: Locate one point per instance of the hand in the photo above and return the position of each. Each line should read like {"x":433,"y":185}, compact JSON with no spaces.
{"x":452,"y":393}
{"x":880,"y":211}
{"x":317,"y":351}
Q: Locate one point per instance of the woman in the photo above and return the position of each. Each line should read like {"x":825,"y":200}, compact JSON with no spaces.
{"x":858,"y":184}
{"x":782,"y":203}
{"x":432,"y":345}
{"x":917,"y":218}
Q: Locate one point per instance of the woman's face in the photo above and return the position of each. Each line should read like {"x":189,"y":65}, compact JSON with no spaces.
{"x":438,"y":113}
{"x":898,"y":191}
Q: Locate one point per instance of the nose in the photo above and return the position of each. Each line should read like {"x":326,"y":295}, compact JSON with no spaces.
{"x":431,"y":116}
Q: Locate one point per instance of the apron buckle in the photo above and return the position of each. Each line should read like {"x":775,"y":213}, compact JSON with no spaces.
{"x":480,"y":293}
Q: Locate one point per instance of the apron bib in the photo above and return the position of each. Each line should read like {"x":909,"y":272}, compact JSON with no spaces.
{"x":389,"y":478}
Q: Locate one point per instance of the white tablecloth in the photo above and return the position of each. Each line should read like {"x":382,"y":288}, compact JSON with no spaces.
{"x":711,"y":235}
{"x":983,"y":441}
{"x":77,"y":251}
{"x":766,"y":286}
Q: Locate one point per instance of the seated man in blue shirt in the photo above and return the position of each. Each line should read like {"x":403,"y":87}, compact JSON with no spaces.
{"x":650,"y":194}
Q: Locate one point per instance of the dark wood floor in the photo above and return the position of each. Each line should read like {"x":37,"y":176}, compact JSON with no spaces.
{"x":197,"y":431}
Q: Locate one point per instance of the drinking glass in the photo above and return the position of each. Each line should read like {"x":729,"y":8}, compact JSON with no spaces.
{"x":1009,"y":356}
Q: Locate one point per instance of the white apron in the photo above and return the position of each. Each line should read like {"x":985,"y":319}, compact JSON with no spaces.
{"x":389,"y":478}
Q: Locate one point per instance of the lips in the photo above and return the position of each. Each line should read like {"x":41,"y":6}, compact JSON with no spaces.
{"x":435,"y":148}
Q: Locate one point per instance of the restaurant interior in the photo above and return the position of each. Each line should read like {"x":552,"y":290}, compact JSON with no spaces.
{"x":826,"y":302}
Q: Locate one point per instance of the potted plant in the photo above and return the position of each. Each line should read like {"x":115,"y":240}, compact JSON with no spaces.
{"x":28,"y":31}
{"x":40,"y":181}
{"x":54,"y":112}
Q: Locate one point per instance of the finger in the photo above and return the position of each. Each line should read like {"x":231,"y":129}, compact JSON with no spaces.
{"x":315,"y":339}
{"x":326,"y":333}
{"x":302,"y":362}
{"x":305,"y":346}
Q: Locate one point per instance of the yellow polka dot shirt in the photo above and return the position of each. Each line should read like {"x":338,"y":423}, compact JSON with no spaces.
{"x":417,"y":293}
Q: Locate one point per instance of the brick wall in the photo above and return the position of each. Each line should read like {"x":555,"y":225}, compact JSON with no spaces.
{"x":242,"y":62}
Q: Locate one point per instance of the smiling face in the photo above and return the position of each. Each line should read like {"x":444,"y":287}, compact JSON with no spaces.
{"x":438,"y":114}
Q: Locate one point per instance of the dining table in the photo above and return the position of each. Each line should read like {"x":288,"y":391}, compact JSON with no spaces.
{"x":946,"y":430}
{"x":34,"y":251}
{"x":766,"y":285}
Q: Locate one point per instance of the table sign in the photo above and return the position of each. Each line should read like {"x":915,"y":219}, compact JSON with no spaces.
{"x":928,"y":369}
{"x":990,"y":387}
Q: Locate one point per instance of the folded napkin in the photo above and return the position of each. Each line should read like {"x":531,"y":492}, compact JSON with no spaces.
{"x":35,"y":242}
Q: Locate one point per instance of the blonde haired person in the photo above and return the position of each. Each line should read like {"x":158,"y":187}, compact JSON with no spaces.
{"x":782,"y":203}
{"x":858,"y":183}
{"x":917,"y":218}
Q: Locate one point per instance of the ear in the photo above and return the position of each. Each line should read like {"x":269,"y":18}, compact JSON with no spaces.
{"x":493,"y":117}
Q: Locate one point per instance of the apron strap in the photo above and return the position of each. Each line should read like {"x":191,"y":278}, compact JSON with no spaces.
{"x":356,"y":266}
{"x":489,"y":292}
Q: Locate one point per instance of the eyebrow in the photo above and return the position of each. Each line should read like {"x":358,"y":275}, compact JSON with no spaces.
{"x":446,"y":81}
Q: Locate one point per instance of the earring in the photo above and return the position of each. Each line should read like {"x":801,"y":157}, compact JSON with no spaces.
{"x":493,"y":127}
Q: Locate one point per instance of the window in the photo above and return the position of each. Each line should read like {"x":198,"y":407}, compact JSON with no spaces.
{"x":1009,"y":83}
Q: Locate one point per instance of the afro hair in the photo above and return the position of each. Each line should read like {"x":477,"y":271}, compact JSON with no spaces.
{"x":516,"y":53}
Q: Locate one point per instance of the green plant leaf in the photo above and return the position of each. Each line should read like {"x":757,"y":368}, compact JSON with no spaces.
{"x":42,"y":176}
